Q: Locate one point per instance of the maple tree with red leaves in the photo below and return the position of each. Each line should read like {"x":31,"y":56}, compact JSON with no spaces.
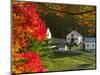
{"x":26,"y":25}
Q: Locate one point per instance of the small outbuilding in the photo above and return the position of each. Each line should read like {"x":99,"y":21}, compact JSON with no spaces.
{"x":89,"y":43}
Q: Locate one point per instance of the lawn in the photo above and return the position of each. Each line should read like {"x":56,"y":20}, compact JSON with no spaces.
{"x":59,"y":61}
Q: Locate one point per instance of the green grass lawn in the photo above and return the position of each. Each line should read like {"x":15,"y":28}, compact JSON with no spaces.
{"x":67,"y":61}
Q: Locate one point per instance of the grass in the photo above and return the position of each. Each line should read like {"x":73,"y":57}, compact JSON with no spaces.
{"x":67,"y":61}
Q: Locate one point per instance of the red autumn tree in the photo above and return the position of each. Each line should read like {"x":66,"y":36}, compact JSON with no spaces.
{"x":26,"y":24}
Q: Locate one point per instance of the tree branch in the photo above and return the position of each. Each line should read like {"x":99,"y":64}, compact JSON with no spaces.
{"x":70,"y":13}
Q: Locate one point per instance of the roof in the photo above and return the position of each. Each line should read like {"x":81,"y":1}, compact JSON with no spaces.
{"x":59,"y":41}
{"x":89,"y":39}
{"x":76,"y":33}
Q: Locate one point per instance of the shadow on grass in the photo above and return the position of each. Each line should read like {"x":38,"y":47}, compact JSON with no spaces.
{"x":89,"y":51}
{"x":63,"y":54}
{"x":85,"y":66}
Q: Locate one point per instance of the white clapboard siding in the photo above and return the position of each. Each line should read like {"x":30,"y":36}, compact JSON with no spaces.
{"x":90,"y":45}
{"x":48,"y":34}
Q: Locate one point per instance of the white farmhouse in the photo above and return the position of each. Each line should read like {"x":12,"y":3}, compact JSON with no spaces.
{"x":77,"y":37}
{"x":89,"y":43}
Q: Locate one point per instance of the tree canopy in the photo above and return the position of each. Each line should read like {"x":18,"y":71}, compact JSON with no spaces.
{"x":63,"y":18}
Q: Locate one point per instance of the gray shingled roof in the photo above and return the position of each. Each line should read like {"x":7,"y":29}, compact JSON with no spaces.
{"x":89,"y":39}
{"x":76,"y":33}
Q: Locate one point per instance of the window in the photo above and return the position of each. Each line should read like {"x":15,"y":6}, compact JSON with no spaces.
{"x":87,"y":45}
{"x":68,"y":38}
{"x":76,"y":39}
{"x":93,"y":45}
{"x":72,"y":35}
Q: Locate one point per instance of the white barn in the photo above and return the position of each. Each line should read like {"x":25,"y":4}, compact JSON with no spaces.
{"x":78,"y":38}
{"x":89,"y":43}
{"x":75,"y":37}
